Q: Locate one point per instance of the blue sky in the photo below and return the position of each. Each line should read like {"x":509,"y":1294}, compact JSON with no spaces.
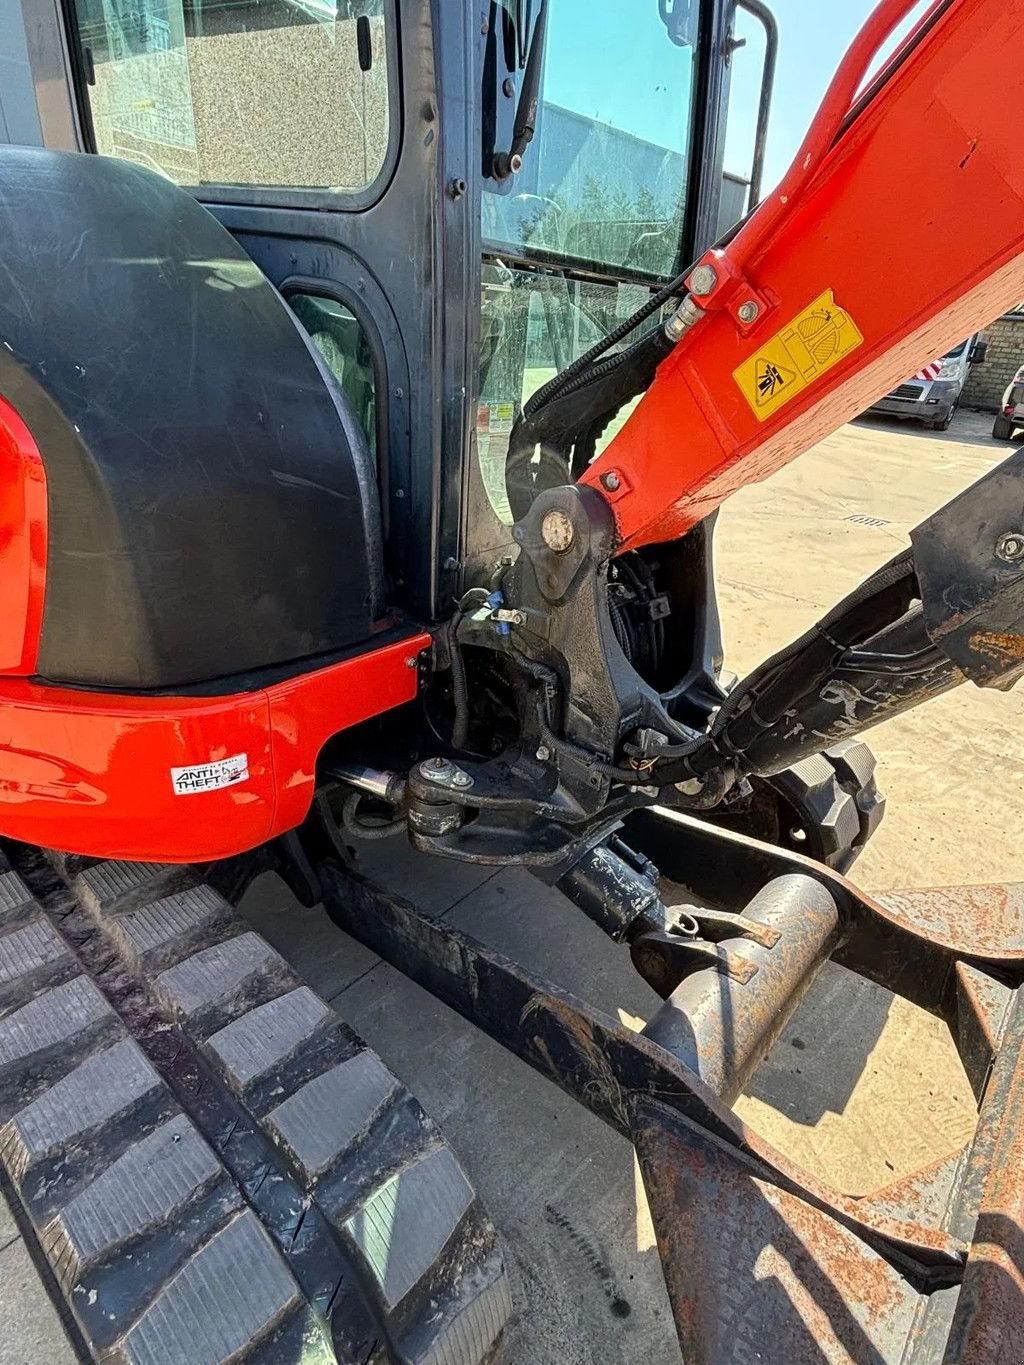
{"x":813,"y":36}
{"x":652,"y":77}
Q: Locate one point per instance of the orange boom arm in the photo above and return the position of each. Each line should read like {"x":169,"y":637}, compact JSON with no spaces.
{"x":850,"y":276}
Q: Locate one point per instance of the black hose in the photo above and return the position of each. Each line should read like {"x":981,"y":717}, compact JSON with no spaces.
{"x":557,"y":386}
{"x":758,"y":702}
{"x":460,"y":688}
{"x":359,"y":829}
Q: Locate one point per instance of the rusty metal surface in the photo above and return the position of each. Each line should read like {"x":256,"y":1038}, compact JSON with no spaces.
{"x":974,"y":921}
{"x":981,"y":1014}
{"x":923,"y":1194}
{"x":988,"y":1326}
{"x":593,"y":1058}
{"x":910,"y":944}
{"x":722,"y":1025}
{"x":661,"y":959}
{"x":755,"y":1273}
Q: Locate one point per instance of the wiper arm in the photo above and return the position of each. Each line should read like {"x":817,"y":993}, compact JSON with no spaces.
{"x":508,"y":163}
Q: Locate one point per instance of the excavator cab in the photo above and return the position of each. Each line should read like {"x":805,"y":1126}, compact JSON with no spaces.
{"x":371,"y":374}
{"x":293,"y":201}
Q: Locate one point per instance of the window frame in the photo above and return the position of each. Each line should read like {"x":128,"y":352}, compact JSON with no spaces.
{"x":271,"y":196}
{"x":710,"y":32}
{"x":337,"y":292}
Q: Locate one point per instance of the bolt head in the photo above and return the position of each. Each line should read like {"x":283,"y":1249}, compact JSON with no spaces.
{"x":1011,"y":547}
{"x":748,"y":311}
{"x":461,"y":779}
{"x":610,"y":481}
{"x":411,"y":661}
{"x":702,"y":280}
{"x":543,"y":753}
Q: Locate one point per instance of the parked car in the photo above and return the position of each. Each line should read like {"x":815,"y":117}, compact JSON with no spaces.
{"x":933,"y":394}
{"x":1012,"y":414}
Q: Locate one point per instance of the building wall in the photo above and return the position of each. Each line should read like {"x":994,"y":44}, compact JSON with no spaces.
{"x":987,"y":383}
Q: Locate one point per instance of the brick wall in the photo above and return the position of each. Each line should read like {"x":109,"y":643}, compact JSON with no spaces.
{"x":987,"y":383}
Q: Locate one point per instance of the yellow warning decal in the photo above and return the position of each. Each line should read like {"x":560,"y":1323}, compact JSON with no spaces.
{"x":797,"y":355}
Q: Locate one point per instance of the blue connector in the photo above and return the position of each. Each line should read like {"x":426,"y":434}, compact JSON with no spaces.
{"x":495,"y":601}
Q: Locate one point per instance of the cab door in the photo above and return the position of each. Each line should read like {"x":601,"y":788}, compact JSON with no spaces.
{"x":322,"y":134}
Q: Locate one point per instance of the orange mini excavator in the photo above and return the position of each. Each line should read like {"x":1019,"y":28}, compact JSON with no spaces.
{"x":324,"y":515}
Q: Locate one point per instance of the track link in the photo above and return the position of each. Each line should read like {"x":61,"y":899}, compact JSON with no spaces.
{"x":213,"y":1164}
{"x":836,"y":803}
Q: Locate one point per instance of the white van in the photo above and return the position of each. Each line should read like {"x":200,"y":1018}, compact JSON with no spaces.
{"x":1011,"y":415}
{"x":933,"y":394}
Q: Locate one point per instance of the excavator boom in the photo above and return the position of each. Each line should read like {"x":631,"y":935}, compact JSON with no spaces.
{"x":849,"y":276}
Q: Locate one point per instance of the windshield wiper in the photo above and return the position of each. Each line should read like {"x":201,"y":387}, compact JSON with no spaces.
{"x":508,"y":163}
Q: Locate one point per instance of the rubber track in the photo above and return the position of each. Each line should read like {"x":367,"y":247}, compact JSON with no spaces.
{"x":213,"y":1164}
{"x":836,"y":800}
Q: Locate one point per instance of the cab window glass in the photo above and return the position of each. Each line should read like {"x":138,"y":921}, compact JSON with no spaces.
{"x":604,"y":179}
{"x":533,"y":325}
{"x":262,"y":92}
{"x":339,"y":337}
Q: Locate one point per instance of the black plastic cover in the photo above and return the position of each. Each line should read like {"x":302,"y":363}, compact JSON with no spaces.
{"x":212,"y":505}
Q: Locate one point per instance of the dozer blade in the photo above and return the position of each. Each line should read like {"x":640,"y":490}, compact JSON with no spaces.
{"x":755,"y":1273}
{"x":763,"y":1261}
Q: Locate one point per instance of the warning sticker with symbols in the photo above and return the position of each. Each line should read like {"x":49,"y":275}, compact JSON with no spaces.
{"x":797,"y":354}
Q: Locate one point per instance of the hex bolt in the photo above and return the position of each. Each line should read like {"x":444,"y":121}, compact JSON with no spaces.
{"x":1011,"y":546}
{"x":411,"y":661}
{"x":748,"y":311}
{"x":610,"y":481}
{"x":543,"y":753}
{"x":703,"y":280}
{"x":461,"y":779}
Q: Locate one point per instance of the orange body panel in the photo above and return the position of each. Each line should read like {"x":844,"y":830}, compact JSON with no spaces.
{"x":913,"y":218}
{"x":90,"y":773}
{"x":22,"y":543}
